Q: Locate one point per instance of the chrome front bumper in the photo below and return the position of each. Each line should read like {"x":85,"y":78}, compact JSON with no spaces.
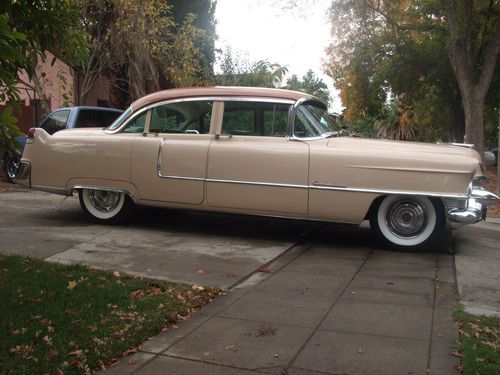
{"x":23,"y":176}
{"x":475,"y":206}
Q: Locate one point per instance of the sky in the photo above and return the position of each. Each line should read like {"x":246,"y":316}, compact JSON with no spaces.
{"x":268,"y":30}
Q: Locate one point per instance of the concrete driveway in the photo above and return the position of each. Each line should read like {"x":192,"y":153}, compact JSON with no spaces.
{"x":333,"y":301}
{"x":189,"y":247}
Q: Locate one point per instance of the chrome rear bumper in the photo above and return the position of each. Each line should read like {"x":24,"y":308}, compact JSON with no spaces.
{"x":23,"y":176}
{"x":475,"y":207}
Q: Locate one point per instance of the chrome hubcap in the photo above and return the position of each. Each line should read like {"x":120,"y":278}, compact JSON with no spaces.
{"x":406,"y":218}
{"x":104,"y":201}
{"x":13,"y":167}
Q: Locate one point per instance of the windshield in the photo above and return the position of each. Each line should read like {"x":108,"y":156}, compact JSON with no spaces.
{"x":116,"y":124}
{"x":314,"y":121}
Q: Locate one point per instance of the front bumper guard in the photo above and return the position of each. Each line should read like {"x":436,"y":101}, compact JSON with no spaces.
{"x":475,"y":208}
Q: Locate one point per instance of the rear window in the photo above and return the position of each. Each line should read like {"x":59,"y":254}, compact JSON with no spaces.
{"x":55,"y":122}
{"x":91,"y":118}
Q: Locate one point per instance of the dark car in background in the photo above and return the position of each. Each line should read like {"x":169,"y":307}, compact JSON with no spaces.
{"x":63,"y":118}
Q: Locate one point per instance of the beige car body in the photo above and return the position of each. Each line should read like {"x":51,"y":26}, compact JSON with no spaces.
{"x":330,"y":179}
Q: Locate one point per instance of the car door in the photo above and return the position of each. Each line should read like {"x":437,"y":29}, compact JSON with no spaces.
{"x":169,"y":159}
{"x":251,"y":163}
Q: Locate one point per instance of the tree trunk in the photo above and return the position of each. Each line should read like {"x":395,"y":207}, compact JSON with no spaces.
{"x":457,"y":125}
{"x":473,"y":72}
{"x":474,"y":127}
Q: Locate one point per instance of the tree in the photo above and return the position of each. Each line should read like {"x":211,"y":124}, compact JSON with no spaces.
{"x":238,"y":71}
{"x":27,"y":30}
{"x":11,"y":58}
{"x":310,"y":84}
{"x":468,"y":31}
{"x":48,"y":26}
{"x":148,"y":44}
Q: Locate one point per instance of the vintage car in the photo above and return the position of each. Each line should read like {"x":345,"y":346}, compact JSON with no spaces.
{"x":261,"y":152}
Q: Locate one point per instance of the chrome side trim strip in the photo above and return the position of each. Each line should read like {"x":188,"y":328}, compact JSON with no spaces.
{"x":272,"y":184}
{"x":158,"y":167}
{"x":388,"y":191}
{"x":93,"y":187}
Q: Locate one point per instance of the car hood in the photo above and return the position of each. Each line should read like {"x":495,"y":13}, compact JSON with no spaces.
{"x":417,"y":156}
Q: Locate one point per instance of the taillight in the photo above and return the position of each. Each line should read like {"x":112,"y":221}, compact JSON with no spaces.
{"x":31,"y":135}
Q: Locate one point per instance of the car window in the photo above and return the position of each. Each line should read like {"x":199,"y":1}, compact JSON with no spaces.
{"x":137,"y":124}
{"x":312,"y":120}
{"x":56,"y":121}
{"x":192,"y":117}
{"x":110,"y":116}
{"x":90,"y":118}
{"x":255,"y":118}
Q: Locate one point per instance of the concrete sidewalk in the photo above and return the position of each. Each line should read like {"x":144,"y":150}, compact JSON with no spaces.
{"x":327,"y":307}
{"x":477,"y":258}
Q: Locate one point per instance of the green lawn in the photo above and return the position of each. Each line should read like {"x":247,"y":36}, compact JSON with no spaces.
{"x":479,"y":346}
{"x":73,"y":319}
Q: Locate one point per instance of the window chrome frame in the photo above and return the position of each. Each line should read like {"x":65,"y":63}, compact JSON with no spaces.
{"x":293,"y":114}
{"x":214,"y":99}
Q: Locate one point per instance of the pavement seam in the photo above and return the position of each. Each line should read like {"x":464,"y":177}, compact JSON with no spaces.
{"x":429,"y":353}
{"x":330,"y":309}
{"x":207,"y":362}
{"x":304,"y":238}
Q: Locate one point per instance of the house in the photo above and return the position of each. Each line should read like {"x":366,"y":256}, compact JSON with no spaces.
{"x":62,"y":87}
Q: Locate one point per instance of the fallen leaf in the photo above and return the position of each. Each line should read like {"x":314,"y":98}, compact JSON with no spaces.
{"x":131,"y":362}
{"x":353,"y":293}
{"x":200,"y":272}
{"x":266,"y":331}
{"x":154,"y":291}
{"x":197,"y":287}
{"x":231,"y":348}
{"x":72,"y":284}
{"x":137,"y":294}
{"x":264,"y":269}
{"x":78,"y":352}
{"x":116,"y":274}
{"x":130,"y":351}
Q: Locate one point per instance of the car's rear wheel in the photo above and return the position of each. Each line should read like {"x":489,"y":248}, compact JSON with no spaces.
{"x":105,"y":206}
{"x":11,"y":166}
{"x":408,"y":222}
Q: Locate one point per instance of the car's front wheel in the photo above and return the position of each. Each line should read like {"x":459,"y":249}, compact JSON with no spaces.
{"x":11,"y":166}
{"x":408,"y":222}
{"x":105,"y":206}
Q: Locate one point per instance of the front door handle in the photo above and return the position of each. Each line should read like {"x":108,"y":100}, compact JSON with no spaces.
{"x":223,"y":136}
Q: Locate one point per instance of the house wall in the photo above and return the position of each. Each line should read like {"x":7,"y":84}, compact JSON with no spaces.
{"x":61,"y":88}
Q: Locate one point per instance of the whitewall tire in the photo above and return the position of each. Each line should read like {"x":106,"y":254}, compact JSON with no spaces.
{"x":105,"y":206}
{"x":408,"y":222}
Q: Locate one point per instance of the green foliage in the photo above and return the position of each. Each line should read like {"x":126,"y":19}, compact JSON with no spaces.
{"x":8,"y":130}
{"x":402,"y":49}
{"x":149,"y":44}
{"x":310,"y":84}
{"x":72,"y":319}
{"x":12,"y":44}
{"x":48,"y":26}
{"x":479,"y":344}
{"x":238,"y":71}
